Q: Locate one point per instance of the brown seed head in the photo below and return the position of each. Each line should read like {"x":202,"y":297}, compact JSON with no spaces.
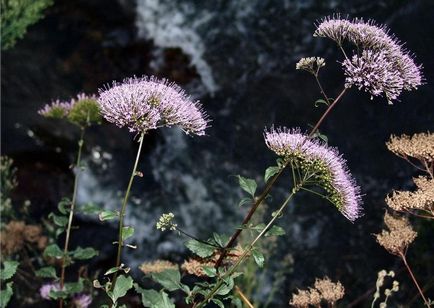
{"x":157,"y":266}
{"x":330,"y":291}
{"x":399,"y":236}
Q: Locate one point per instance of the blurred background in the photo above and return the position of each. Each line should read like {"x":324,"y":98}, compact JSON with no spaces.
{"x":238,"y":58}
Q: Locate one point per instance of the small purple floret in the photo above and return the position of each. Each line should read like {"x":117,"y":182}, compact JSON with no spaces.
{"x":82,"y":300}
{"x":45,"y":290}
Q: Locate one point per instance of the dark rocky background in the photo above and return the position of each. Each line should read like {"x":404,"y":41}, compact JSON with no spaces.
{"x":238,"y":58}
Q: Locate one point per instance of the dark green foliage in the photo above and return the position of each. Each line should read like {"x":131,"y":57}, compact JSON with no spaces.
{"x":16,"y":16}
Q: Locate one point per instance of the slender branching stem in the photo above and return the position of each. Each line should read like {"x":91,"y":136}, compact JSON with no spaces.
{"x":404,"y":259}
{"x":195,"y":238}
{"x":122,"y":212}
{"x":325,"y":114}
{"x":428,"y":169}
{"x":248,"y":249}
{"x":71,"y":212}
{"x":244,"y":297}
{"x":322,"y":89}
{"x":270,"y":183}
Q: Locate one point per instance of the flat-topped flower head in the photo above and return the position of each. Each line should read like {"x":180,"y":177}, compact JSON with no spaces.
{"x":334,"y":27}
{"x":83,"y":110}
{"x":379,"y":64}
{"x":418,"y":146}
{"x":310,"y":64}
{"x":147,"y":103}
{"x":327,"y":166}
{"x":399,"y":236}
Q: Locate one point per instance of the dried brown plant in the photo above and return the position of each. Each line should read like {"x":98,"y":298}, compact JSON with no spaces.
{"x":16,"y":234}
{"x":419,"y":147}
{"x":396,"y":241}
{"x":157,"y":266}
{"x":195,"y":267}
{"x":419,"y":202}
{"x":324,"y":290}
{"x":399,"y":236}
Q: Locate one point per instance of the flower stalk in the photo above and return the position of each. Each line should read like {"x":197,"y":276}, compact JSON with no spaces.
{"x":404,"y":260}
{"x":123,"y":209}
{"x":249,"y":248}
{"x":71,"y":211}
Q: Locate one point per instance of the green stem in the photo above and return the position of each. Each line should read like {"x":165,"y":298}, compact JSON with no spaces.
{"x":122,"y":212}
{"x":71,"y":212}
{"x":247,"y":251}
{"x":322,"y":89}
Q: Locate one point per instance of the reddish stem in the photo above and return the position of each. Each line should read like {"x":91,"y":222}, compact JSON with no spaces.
{"x":268,"y":187}
{"x":414,"y":278}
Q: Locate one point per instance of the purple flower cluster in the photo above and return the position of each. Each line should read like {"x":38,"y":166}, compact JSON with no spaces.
{"x":82,"y":300}
{"x":146,"y":103}
{"x":328,"y":167}
{"x":381,"y":65}
{"x":372,"y":73}
{"x":57,"y":109}
{"x":61,"y":109}
{"x":45,"y":290}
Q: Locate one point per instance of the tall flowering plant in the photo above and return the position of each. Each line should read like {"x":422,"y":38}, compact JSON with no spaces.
{"x":143,"y":104}
{"x":374,"y":61}
{"x":82,"y":112}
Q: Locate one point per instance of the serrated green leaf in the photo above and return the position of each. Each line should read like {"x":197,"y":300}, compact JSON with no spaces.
{"x":209,"y":271}
{"x":108,"y":215}
{"x":111,"y":271}
{"x":258,"y":257}
{"x":8,"y":270}
{"x":275,"y":231}
{"x":220,"y":239}
{"x":89,"y":208}
{"x":59,"y":231}
{"x":259,"y":227}
{"x":170,"y":279}
{"x":200,"y":249}
{"x":127,"y":232}
{"x":218,"y":302}
{"x":226,"y":287}
{"x":64,"y":206}
{"x":123,"y":284}
{"x":46,"y":272}
{"x":74,"y":287}
{"x":154,"y":299}
{"x":59,"y":220}
{"x":53,"y":251}
{"x":248,"y":185}
{"x":271,"y":171}
{"x":6,"y":294}
{"x":84,"y":253}
{"x":244,"y":200}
